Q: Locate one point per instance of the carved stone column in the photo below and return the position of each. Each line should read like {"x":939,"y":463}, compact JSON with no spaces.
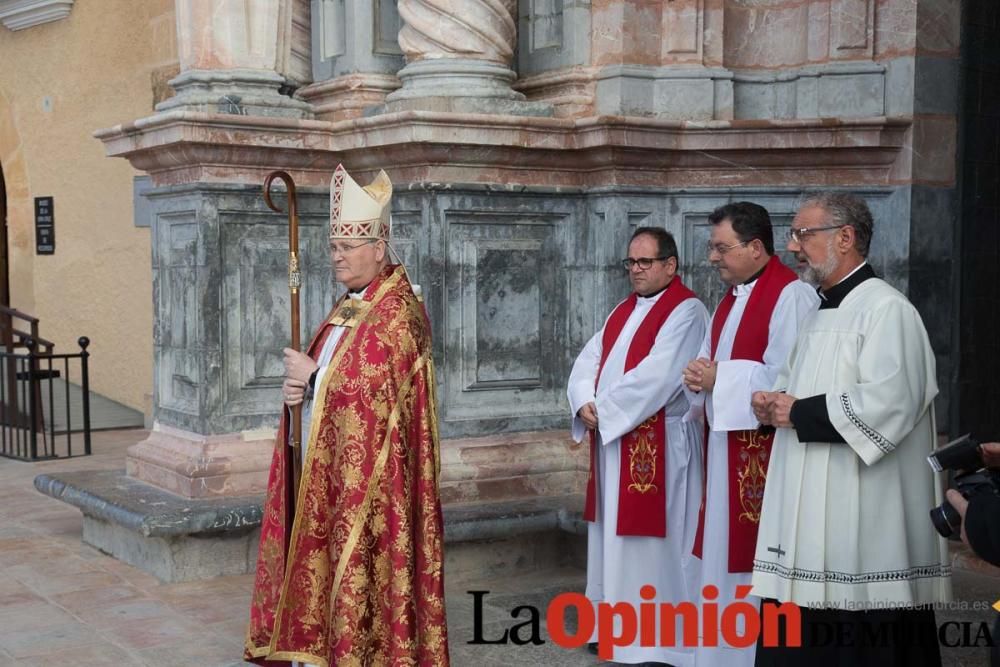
{"x":231,"y":54}
{"x":458,"y":59}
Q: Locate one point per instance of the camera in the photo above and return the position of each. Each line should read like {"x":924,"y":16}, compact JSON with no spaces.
{"x":962,"y":457}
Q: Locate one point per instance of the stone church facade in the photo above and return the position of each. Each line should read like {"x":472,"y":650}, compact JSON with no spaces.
{"x":525,"y":141}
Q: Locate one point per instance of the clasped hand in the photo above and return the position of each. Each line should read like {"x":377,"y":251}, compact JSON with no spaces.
{"x":773,"y":408}
{"x":700,"y":374}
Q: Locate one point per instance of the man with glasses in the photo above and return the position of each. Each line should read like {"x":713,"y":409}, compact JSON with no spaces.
{"x":752,"y":331}
{"x":355,"y":577}
{"x":645,"y":465}
{"x":844,"y":530}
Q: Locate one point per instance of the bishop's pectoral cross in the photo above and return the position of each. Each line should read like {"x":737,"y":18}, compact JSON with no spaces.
{"x":777,"y":550}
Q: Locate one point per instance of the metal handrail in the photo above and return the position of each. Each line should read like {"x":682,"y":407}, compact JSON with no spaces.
{"x":25,"y":336}
{"x":24,"y":424}
{"x":14,"y":312}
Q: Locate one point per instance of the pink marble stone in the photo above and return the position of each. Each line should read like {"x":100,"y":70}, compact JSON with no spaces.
{"x":766,"y":37}
{"x":570,"y":91}
{"x":713,"y":21}
{"x":197,"y":466}
{"x":895,"y":28}
{"x":818,"y":31}
{"x":417,"y":146}
{"x":607,"y":39}
{"x":512,"y":465}
{"x":346,"y":97}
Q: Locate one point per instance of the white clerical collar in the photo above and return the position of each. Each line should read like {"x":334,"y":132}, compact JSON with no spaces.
{"x":743,"y":289}
{"x":856,"y":269}
{"x":651,"y":299}
{"x":359,"y":295}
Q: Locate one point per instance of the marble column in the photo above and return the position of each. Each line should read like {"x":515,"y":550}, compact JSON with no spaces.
{"x":459,"y":57}
{"x":231,"y":55}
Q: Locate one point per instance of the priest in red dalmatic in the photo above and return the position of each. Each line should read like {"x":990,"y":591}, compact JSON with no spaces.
{"x":644,"y":487}
{"x":752,"y":332}
{"x":358,"y":579}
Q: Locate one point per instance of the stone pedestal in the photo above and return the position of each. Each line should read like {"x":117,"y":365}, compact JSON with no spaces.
{"x":355,"y":57}
{"x":459,"y":61}
{"x":511,"y":503}
{"x":197,"y":466}
{"x":173,"y":538}
{"x":241,"y":92}
{"x":234,"y":57}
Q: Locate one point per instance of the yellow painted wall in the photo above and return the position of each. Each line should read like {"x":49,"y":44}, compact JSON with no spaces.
{"x":95,"y":68}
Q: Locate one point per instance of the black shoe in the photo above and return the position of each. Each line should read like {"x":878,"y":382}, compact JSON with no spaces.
{"x":592,"y":647}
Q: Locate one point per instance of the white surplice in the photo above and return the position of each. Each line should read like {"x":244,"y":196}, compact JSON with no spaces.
{"x":847,"y":525}
{"x":617,"y":566}
{"x":727,"y":408}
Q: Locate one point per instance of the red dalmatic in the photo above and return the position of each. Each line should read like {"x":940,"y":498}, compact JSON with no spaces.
{"x":642,"y":484}
{"x":750,"y":450}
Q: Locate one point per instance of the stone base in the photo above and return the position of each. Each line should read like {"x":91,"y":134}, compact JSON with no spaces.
{"x":842,"y":90}
{"x":198,"y":466}
{"x":348,"y":96}
{"x":178,"y":539}
{"x":493,"y":540}
{"x":459,"y":85}
{"x":236,"y":92}
{"x":175,"y":539}
{"x":179,"y":558}
{"x":681,"y":93}
{"x":463,"y":104}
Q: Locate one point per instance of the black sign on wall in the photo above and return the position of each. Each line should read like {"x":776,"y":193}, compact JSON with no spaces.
{"x":45,"y":226}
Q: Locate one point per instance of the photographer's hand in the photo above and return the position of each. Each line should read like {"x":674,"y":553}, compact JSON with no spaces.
{"x":990,"y":452}
{"x":960,"y":504}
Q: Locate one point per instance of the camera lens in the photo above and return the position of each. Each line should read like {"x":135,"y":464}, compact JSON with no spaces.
{"x":946,"y":519}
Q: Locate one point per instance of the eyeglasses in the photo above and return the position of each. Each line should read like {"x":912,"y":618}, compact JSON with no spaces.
{"x":343,"y":248}
{"x":801,"y":234}
{"x":723,"y":249}
{"x":642,"y":262}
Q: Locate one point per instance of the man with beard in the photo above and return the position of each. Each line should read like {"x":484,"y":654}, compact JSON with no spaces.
{"x":844,"y":531}
{"x":645,"y":458}
{"x":752,"y":331}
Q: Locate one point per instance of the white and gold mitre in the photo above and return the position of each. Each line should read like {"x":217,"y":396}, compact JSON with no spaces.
{"x":359,"y":212}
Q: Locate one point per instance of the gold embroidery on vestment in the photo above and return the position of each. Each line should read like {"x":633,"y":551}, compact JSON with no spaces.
{"x":751,"y":475}
{"x":642,"y":458}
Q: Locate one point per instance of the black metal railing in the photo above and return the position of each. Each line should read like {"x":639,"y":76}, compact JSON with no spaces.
{"x":44,"y":401}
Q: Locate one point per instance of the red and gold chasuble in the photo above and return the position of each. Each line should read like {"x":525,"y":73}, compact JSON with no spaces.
{"x":642,"y":484}
{"x":362,"y":582}
{"x":749,"y":451}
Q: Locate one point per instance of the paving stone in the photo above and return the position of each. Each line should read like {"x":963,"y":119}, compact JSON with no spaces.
{"x":46,"y":638}
{"x":138,"y":621}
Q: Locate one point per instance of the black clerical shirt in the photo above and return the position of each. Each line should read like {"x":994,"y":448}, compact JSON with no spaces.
{"x":809,"y":416}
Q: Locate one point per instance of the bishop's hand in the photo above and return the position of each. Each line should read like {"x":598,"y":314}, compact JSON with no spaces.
{"x":298,"y":366}
{"x":293,"y":392}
